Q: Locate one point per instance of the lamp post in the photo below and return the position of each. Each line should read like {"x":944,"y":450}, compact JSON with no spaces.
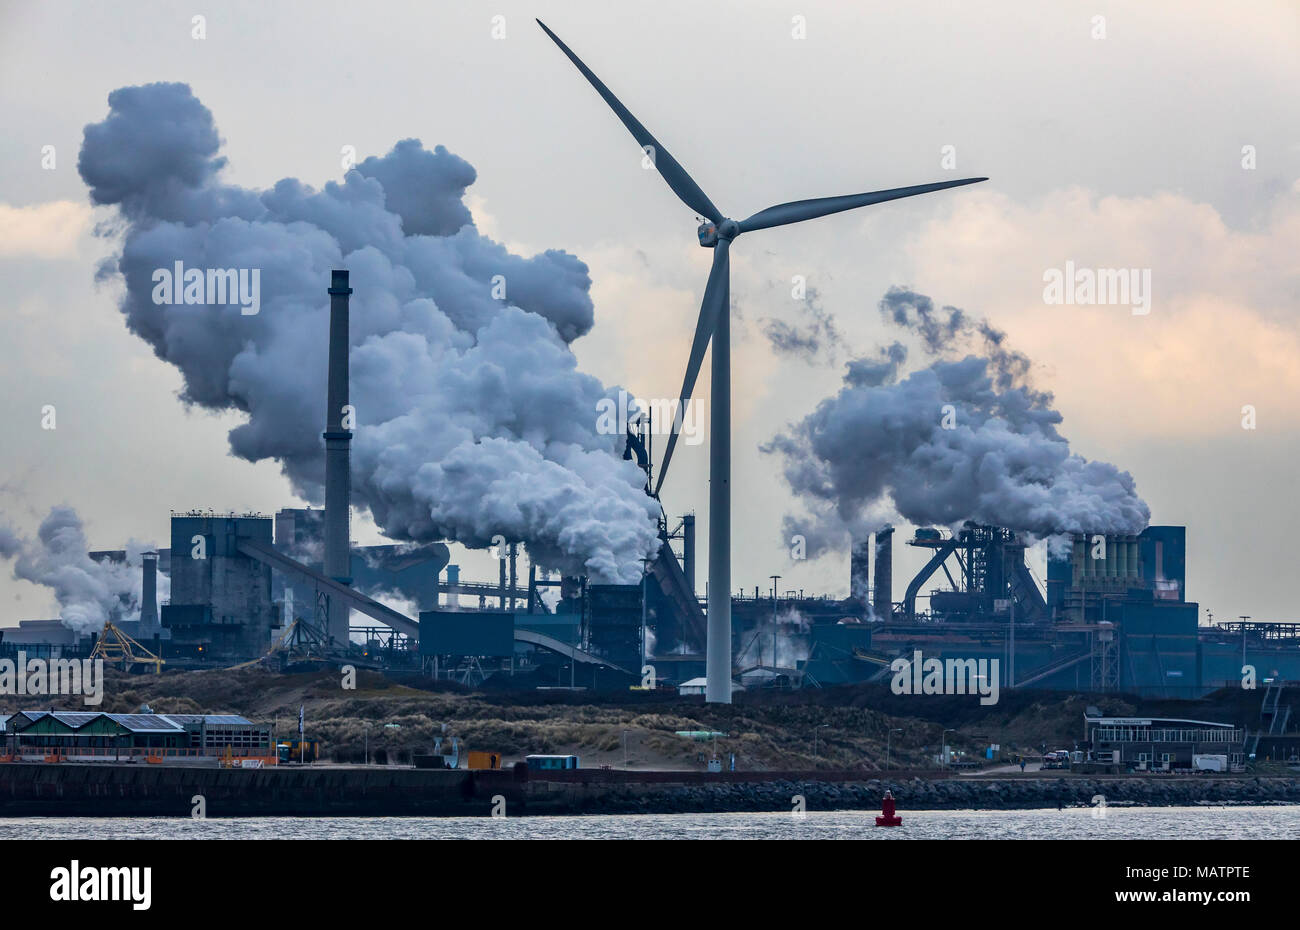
{"x":815,"y":729}
{"x":888,"y":737}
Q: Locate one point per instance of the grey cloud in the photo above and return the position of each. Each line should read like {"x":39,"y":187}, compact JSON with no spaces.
{"x":814,"y":335}
{"x":937,"y":328}
{"x":873,"y":372}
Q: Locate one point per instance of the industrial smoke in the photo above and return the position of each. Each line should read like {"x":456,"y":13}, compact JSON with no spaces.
{"x":965,"y":438}
{"x":472,"y":420}
{"x":88,"y":591}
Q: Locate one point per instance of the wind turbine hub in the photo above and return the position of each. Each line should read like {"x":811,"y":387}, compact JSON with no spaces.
{"x":710,"y":233}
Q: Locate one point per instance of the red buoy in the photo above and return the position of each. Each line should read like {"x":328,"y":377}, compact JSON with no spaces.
{"x":887,"y":816}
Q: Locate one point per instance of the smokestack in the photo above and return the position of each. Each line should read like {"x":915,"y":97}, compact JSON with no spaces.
{"x":338,"y":472}
{"x":502,"y":591}
{"x":688,"y":550}
{"x":883,"y":603}
{"x":514,"y":572}
{"x":860,"y":570}
{"x":149,"y":596}
{"x":453,"y":579}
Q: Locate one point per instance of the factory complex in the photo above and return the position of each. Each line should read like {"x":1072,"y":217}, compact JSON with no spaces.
{"x":1111,"y":617}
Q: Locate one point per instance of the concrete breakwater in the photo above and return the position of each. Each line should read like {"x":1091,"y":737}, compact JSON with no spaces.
{"x":172,"y":791}
{"x":924,"y":794}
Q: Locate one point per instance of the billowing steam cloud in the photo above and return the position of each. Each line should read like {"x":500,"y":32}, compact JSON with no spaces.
{"x":963,"y":439}
{"x":789,"y":630}
{"x":88,"y":591}
{"x":472,"y":419}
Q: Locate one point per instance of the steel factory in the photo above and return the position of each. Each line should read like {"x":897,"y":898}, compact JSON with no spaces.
{"x":1112,"y":614}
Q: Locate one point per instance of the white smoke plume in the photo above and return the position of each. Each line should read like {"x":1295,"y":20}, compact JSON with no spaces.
{"x":793,"y":643}
{"x":88,"y":591}
{"x":966,"y":438}
{"x":395,"y":600}
{"x":472,"y":420}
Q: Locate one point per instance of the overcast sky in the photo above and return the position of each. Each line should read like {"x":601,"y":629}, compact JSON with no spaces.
{"x":1115,"y":152}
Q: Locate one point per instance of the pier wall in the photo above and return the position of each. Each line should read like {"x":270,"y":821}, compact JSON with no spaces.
{"x":161,"y":790}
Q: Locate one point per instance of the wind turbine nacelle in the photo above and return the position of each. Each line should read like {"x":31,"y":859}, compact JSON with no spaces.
{"x":710,"y":233}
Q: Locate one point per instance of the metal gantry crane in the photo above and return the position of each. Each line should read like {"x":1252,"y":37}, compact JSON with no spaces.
{"x":114,"y":645}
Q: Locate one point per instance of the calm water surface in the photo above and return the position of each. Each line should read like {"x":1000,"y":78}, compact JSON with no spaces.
{"x":1077,"y":823}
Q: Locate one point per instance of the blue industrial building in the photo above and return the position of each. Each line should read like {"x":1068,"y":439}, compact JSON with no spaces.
{"x":221,"y":603}
{"x":1115,"y":617}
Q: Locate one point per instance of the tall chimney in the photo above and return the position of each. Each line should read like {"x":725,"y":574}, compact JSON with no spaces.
{"x":514,"y":573}
{"x":883,"y":602}
{"x":688,"y":550}
{"x":860,"y":571}
{"x":338,"y":471}
{"x":149,"y":596}
{"x":453,"y":579}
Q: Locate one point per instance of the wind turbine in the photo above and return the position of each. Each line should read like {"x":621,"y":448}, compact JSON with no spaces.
{"x":717,"y":232}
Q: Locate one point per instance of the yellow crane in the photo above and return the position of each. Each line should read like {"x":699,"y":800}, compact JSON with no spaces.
{"x":115,"y":646}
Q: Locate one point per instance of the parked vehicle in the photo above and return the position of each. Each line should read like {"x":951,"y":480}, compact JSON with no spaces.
{"x":1058,"y":759}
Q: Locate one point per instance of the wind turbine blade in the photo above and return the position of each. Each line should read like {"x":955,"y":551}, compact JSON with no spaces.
{"x":711,"y":310}
{"x":800,"y":210}
{"x":682,"y":184}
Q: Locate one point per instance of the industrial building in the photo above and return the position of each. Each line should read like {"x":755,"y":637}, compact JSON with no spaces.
{"x":43,"y":639}
{"x":221,"y":598}
{"x":1156,"y":744}
{"x":1113,"y":616}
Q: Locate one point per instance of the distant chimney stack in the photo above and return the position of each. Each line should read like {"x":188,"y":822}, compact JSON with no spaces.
{"x":688,"y":550}
{"x":514,"y":573}
{"x":149,"y":595}
{"x":860,"y":570}
{"x":338,"y":471}
{"x":882,"y":604}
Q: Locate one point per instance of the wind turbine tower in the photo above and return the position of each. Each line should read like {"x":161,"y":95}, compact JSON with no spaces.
{"x":717,"y":232}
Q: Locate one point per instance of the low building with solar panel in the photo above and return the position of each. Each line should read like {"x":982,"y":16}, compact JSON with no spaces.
{"x":75,"y":736}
